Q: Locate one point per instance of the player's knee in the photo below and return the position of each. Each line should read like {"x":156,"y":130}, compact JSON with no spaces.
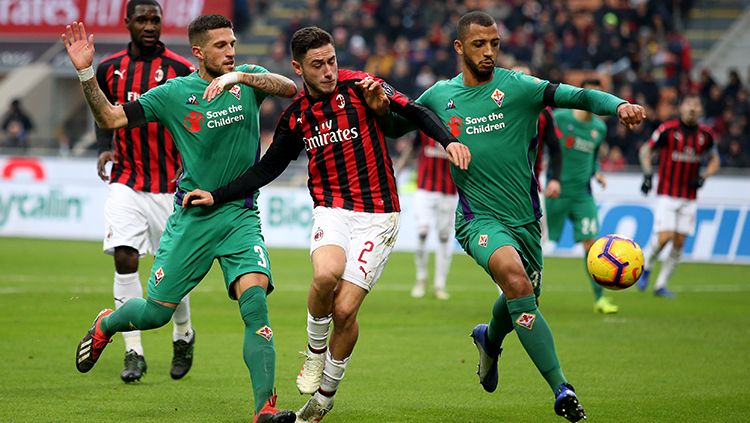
{"x":422,"y":234}
{"x":126,"y":260}
{"x":444,"y":238}
{"x":344,"y":316}
{"x":325,"y":279}
{"x":516,"y":285}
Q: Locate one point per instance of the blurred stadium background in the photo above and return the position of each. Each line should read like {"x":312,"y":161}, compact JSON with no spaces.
{"x":656,"y":361}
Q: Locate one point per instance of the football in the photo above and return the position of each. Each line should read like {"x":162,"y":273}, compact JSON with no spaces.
{"x":615,"y":261}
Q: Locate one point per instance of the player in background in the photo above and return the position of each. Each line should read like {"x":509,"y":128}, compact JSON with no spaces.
{"x":352,"y":184}
{"x":145,"y":164}
{"x":217,"y":140}
{"x":496,"y":114}
{"x":434,"y":207}
{"x":680,"y":145}
{"x":582,"y":135}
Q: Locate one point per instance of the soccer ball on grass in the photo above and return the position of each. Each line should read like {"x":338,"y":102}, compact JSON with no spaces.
{"x":615,"y":261}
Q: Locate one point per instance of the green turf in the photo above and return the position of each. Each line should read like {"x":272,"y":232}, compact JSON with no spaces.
{"x":682,"y":360}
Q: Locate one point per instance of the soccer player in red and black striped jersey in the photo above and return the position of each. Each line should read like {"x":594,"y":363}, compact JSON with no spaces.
{"x":434,"y":207}
{"x":681,"y":146}
{"x":351,"y":181}
{"x":145,"y":166}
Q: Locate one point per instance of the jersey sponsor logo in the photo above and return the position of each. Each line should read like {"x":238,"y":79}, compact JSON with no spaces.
{"x":224,"y":117}
{"x":450,"y":105}
{"x":389,"y":90}
{"x":324,"y":136}
{"x":235,"y":90}
{"x":455,"y":125}
{"x":193,"y":122}
{"x":158,"y":75}
{"x":133,"y":96}
{"x":340,"y":101}
{"x":526,"y":320}
{"x":483,"y":238}
{"x":192,"y":99}
{"x":265,"y":332}
{"x":484,"y":124}
{"x":119,"y":73}
{"x":158,"y":275}
{"x":580,"y":144}
{"x":498,"y":97}
{"x":688,"y":155}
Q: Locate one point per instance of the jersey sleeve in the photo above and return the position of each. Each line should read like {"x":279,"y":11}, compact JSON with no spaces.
{"x":154,"y":102}
{"x":533,"y":89}
{"x":658,"y":137}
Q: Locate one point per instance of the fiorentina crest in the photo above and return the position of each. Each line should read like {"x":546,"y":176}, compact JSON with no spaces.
{"x":235,"y":90}
{"x":526,"y":320}
{"x":265,"y":332}
{"x":498,"y":97}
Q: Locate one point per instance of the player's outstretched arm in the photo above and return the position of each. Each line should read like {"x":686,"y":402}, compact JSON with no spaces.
{"x":271,"y":83}
{"x":80,"y":49}
{"x":595,"y":101}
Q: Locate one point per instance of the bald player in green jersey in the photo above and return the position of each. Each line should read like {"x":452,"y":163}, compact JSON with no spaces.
{"x":213,"y":117}
{"x":494,"y":111}
{"x":582,"y":135}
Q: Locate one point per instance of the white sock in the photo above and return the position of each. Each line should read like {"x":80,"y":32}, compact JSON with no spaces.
{"x":182,"y":328}
{"x":128,"y":286}
{"x":667,"y":268}
{"x":655,"y":250}
{"x":317,"y":331}
{"x":443,"y":257}
{"x":333,"y":373}
{"x":420,"y":259}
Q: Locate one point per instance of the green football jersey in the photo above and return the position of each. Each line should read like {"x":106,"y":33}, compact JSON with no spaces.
{"x":579,"y":145}
{"x":498,"y":122}
{"x":218,"y":140}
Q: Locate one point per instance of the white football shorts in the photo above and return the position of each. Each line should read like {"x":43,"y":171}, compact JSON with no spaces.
{"x":367,"y":240}
{"x":435,"y":210}
{"x":675,"y":214}
{"x":135,"y":219}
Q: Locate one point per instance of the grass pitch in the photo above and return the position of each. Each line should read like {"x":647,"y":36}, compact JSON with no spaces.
{"x":682,"y":360}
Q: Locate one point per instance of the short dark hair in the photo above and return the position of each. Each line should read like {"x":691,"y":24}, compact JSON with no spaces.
{"x":591,"y":81}
{"x":475,"y":17}
{"x":202,"y":24}
{"x":133,"y":3}
{"x":690,"y":95}
{"x":308,"y":38}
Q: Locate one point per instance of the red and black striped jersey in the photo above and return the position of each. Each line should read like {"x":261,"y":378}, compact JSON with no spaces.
{"x":433,"y":166}
{"x":146,"y":158}
{"x":547,"y":134}
{"x":349,"y":165}
{"x":681,"y":148}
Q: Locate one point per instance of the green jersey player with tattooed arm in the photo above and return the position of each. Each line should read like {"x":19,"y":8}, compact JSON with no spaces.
{"x":494,"y":112}
{"x":212,"y":115}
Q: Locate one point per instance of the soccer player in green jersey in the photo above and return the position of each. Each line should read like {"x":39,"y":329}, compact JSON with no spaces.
{"x":218,"y":140}
{"x":494,"y":112}
{"x":583,"y":134}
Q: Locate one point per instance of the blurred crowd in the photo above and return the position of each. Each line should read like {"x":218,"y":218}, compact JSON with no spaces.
{"x":636,"y":44}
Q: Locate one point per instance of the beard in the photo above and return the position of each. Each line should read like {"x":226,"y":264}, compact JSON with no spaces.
{"x":481,"y":75}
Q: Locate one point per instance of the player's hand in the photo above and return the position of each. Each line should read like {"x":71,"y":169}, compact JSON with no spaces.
{"x":197,"y":197}
{"x":101,"y":163}
{"x":459,"y":155}
{"x":220,"y":84}
{"x":601,"y":180}
{"x":697,"y":182}
{"x":375,"y":95}
{"x":553,"y":189}
{"x":80,"y":47}
{"x":631,"y":115}
{"x":646,"y":185}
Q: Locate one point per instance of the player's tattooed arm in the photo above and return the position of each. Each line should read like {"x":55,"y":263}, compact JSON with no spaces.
{"x":271,"y":83}
{"x":80,"y":48}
